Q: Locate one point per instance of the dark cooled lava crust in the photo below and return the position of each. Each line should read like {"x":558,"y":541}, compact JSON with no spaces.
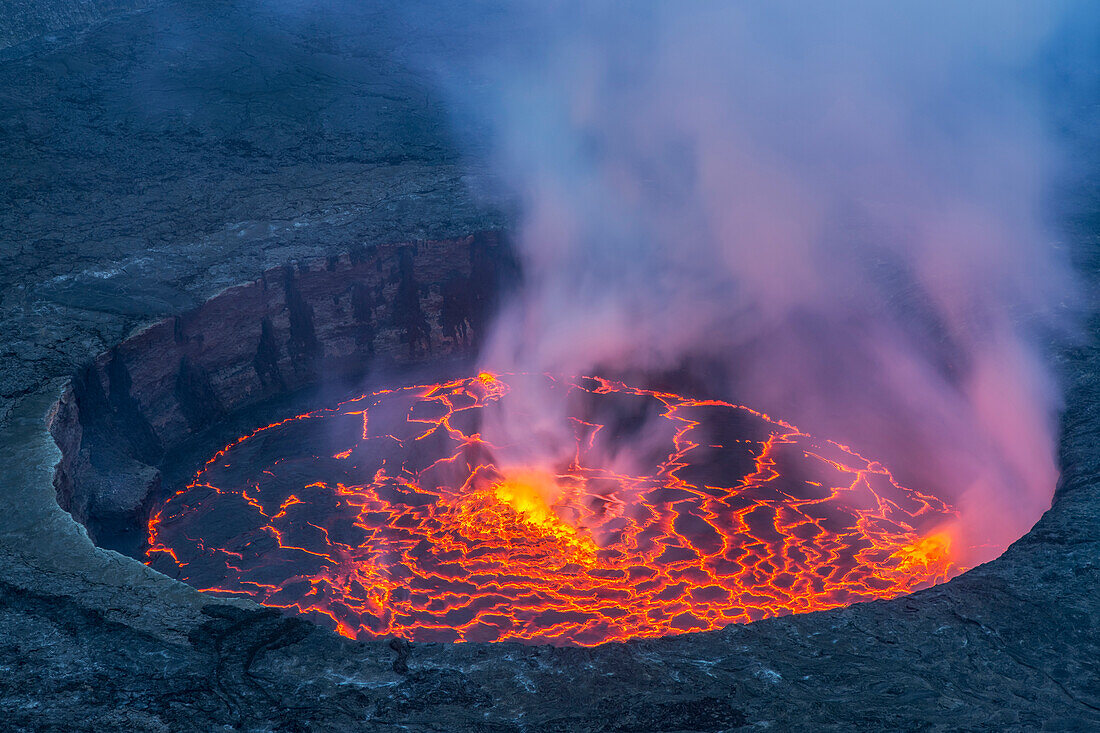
{"x":390,"y":514}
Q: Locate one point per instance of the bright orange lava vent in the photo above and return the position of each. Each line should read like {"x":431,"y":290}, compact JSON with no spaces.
{"x":409,"y":528}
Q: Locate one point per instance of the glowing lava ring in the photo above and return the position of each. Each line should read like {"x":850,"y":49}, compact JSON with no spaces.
{"x":387,"y":515}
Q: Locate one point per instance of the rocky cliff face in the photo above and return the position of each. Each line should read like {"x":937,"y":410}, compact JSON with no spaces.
{"x":336,"y":319}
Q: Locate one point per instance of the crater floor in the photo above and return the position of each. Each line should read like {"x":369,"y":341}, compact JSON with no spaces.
{"x":392,"y":514}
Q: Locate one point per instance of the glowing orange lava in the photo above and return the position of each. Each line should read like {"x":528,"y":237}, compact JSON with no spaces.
{"x":388,"y":515}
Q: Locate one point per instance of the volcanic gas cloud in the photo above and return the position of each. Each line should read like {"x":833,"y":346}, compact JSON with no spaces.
{"x":391,"y":515}
{"x":833,"y":212}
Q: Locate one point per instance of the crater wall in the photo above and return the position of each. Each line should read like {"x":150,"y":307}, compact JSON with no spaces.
{"x":331,"y":320}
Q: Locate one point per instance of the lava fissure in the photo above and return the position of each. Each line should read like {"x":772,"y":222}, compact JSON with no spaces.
{"x":410,"y":528}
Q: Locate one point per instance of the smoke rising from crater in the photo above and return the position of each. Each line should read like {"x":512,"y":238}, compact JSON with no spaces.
{"x":833,"y":213}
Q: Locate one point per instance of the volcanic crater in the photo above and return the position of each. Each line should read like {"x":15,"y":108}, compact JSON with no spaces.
{"x":155,"y":158}
{"x":233,"y":449}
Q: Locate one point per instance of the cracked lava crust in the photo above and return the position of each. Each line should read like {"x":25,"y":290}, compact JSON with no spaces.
{"x":391,"y":515}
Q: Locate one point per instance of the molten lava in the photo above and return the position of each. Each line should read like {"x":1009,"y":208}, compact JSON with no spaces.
{"x":717,"y":514}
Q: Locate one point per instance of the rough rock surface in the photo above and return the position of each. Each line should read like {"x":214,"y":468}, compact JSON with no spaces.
{"x":21,"y":20}
{"x":144,"y":171}
{"x":293,"y":140}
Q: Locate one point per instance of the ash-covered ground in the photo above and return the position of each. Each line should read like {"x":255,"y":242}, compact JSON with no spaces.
{"x":143,"y":173}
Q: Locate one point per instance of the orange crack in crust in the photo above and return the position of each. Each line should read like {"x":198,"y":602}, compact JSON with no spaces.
{"x":390,"y":515}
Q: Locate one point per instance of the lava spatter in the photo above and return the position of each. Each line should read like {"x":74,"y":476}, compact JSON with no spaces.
{"x":389,"y":515}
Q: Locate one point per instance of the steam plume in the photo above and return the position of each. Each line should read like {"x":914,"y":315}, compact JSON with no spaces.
{"x":837,"y":207}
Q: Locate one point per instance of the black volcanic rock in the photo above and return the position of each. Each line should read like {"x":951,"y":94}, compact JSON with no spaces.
{"x":28,"y":19}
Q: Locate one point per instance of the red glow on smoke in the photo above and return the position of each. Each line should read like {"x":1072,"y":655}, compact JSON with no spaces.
{"x":412,"y":530}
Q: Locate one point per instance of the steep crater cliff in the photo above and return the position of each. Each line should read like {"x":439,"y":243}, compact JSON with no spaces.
{"x":318,"y":327}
